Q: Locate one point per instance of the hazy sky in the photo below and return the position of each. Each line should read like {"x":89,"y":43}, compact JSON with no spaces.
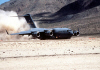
{"x":3,"y":1}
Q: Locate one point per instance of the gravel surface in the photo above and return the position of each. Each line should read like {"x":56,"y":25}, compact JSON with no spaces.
{"x":79,"y":53}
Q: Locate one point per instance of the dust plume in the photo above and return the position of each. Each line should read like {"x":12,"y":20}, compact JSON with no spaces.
{"x":12,"y":25}
{"x":37,"y":24}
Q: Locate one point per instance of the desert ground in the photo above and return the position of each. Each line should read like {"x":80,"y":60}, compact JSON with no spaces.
{"x":77,"y":53}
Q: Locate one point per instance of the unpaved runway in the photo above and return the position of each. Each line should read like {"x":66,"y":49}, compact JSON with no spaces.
{"x":63,"y":62}
{"x":81,"y":53}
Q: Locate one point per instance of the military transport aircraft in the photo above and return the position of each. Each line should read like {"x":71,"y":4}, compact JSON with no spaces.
{"x":46,"y":33}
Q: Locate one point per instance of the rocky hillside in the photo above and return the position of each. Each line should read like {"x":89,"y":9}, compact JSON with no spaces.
{"x":34,"y":6}
{"x":83,"y":14}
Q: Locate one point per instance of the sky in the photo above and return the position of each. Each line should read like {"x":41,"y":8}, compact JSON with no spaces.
{"x":3,"y":1}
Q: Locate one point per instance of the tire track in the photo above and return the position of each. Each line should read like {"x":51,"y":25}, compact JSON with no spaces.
{"x":49,"y":55}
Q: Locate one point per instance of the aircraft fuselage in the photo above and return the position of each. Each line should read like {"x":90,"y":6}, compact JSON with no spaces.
{"x":47,"y":33}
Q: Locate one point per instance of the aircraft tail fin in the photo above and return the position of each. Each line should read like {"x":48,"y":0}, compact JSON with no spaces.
{"x":30,"y":20}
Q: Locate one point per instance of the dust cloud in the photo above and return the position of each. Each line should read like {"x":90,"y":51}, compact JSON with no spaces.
{"x":12,"y":25}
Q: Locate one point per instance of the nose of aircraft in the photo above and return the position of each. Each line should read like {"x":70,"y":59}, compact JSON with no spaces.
{"x":76,"y":33}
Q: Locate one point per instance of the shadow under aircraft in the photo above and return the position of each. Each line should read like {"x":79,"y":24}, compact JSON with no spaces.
{"x":46,"y":33}
{"x":68,"y":11}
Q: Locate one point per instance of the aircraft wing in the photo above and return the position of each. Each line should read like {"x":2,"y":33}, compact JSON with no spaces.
{"x":21,"y":33}
{"x":40,"y":33}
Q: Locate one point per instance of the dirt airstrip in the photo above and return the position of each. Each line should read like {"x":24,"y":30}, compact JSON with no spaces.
{"x":79,"y":53}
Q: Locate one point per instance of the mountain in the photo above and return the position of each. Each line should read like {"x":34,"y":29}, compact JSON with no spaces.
{"x":34,"y":6}
{"x":74,"y":14}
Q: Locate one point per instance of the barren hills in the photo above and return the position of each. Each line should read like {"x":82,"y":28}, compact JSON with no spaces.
{"x":74,"y":14}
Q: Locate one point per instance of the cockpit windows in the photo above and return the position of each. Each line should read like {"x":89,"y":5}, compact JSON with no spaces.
{"x":69,"y":30}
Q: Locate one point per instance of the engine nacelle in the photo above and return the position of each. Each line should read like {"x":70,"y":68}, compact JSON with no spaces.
{"x":36,"y":34}
{"x":48,"y":32}
{"x":76,"y":33}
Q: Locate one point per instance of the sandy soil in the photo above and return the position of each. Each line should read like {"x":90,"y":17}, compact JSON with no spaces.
{"x":79,"y":53}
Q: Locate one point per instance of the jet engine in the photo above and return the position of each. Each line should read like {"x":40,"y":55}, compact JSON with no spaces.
{"x":36,"y":34}
{"x":76,"y":33}
{"x":48,"y":32}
